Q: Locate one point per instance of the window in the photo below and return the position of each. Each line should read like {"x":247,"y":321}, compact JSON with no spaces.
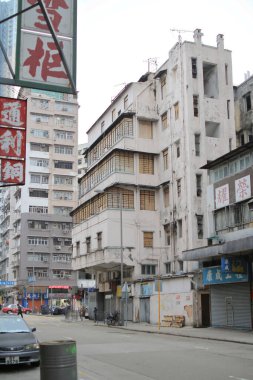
{"x":63,"y":135}
{"x":38,"y":210}
{"x":228,"y":109}
{"x":39,"y":162}
{"x":212,"y":129}
{"x":164,"y":119}
{"x":148,"y":269}
{"x":63,"y":149}
{"x":88,"y":244}
{"x":167,"y":234}
{"x":176,"y":110}
{"x":66,"y":195}
{"x":165,"y":159}
{"x":60,"y":210}
{"x":180,"y":228}
{"x":99,"y":240}
{"x":39,"y":133}
{"x":198,"y":184}
{"x":179,"y":187}
{"x":168,"y":268}
{"x":247,"y":100}
{"x":148,"y":239}
{"x":200,"y":226}
{"x":145,"y":129}
{"x":39,"y":193}
{"x":125,"y":102}
{"x":40,"y":178}
{"x":166,"y":196}
{"x":102,"y":126}
{"x":197,"y":145}
{"x":62,"y":180}
{"x":63,"y":164}
{"x":39,"y":147}
{"x":195,"y":105}
{"x":146,"y":163}
{"x":194,"y":67}
{"x":178,"y":149}
{"x":147,"y":200}
{"x":210,"y":78}
{"x":35,"y":240}
{"x":163,"y":85}
{"x":226,"y":73}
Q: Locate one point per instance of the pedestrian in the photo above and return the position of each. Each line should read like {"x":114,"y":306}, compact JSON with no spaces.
{"x":95,"y":314}
{"x":20,"y":310}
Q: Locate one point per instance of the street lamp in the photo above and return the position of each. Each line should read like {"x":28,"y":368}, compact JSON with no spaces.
{"x":121,"y":250}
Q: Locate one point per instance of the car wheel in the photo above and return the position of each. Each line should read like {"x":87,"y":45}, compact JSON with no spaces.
{"x":27,"y":312}
{"x":35,"y":364}
{"x":9,"y":312}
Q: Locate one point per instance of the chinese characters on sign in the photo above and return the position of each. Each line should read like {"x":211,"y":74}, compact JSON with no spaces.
{"x":214,"y":275}
{"x":233,"y":264}
{"x":222,"y":196}
{"x":12,"y":140}
{"x":40,"y":61}
{"x":242,"y":188}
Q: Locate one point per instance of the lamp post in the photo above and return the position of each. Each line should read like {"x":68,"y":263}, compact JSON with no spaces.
{"x":121,"y":252}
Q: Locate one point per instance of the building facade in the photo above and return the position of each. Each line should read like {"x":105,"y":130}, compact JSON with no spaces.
{"x":142,"y":200}
{"x":40,"y":248}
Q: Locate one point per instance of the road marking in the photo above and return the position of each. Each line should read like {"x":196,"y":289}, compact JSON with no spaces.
{"x":201,"y":348}
{"x":237,"y":378}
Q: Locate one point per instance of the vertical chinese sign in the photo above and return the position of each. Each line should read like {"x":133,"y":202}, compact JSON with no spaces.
{"x":222,"y":196}
{"x":12,"y":141}
{"x":39,"y":64}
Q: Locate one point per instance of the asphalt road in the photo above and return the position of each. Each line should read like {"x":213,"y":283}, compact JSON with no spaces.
{"x":113,"y":354}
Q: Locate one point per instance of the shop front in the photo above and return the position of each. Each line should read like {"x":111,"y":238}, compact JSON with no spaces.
{"x":230,"y":296}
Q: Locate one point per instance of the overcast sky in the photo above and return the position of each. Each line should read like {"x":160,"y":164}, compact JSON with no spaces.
{"x":117,"y":37}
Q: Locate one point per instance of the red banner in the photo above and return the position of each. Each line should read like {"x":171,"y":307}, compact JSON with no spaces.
{"x":12,"y":140}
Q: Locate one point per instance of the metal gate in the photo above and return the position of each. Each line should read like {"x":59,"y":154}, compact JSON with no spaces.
{"x":145,"y":310}
{"x":230,"y":306}
{"x":128,"y":309}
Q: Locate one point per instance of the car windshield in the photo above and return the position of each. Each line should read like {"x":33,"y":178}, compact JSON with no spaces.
{"x":13,"y":325}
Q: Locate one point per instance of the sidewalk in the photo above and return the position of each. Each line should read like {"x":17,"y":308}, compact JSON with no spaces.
{"x":211,"y":333}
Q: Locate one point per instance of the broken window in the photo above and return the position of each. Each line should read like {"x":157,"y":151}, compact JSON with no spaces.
{"x":165,"y":159}
{"x":200,"y":226}
{"x":164,"y":120}
{"x":176,"y":110}
{"x":212,"y":129}
{"x":198,"y":184}
{"x":226,"y":73}
{"x":210,"y":80}
{"x":247,"y":100}
{"x":163,"y":84}
{"x":179,"y":187}
{"x":195,"y":105}
{"x":194,"y":67}
{"x":197,"y":144}
{"x":166,"y":196}
{"x":228,"y":109}
{"x":180,"y":228}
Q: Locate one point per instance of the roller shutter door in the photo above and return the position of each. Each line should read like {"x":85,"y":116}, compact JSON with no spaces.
{"x":230,"y":306}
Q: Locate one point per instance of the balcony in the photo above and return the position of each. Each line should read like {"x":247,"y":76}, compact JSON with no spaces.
{"x":108,"y":258}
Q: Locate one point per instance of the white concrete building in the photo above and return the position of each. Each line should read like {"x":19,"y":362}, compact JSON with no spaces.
{"x":142,"y":201}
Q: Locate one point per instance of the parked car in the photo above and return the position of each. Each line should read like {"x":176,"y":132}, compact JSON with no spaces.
{"x":56,"y":310}
{"x":13,"y":309}
{"x":18,"y":344}
{"x":45,"y":309}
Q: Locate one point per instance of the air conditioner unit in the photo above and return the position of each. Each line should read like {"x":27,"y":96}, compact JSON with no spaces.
{"x":58,"y":247}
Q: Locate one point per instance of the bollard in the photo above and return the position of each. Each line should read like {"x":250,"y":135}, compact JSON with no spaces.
{"x":58,"y":360}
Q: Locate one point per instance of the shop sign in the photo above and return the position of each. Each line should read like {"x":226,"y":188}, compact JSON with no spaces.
{"x":242,"y":189}
{"x":5,"y":283}
{"x":146,"y":289}
{"x":233,"y":265}
{"x":222,"y":196}
{"x":214,"y":275}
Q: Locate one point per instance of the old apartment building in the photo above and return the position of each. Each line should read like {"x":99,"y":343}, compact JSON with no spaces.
{"x":36,"y":221}
{"x":142,"y":199}
{"x":226,"y":261}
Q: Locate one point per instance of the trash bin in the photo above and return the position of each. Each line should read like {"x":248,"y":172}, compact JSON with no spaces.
{"x":58,"y":360}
